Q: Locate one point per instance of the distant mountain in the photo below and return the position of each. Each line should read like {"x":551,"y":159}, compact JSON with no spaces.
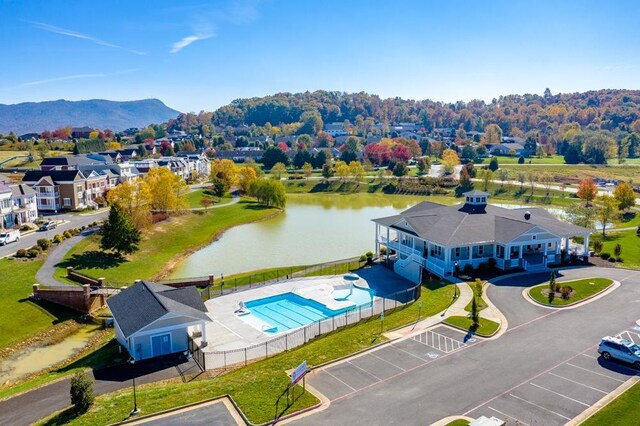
{"x":38,"y":116}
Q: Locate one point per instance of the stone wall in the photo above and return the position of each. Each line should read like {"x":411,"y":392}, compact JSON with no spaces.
{"x":76,"y":298}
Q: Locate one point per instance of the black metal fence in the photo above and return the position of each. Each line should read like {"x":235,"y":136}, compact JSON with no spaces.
{"x":224,"y":359}
{"x":222,"y":285}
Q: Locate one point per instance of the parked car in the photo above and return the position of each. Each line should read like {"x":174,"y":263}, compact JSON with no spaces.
{"x":48,"y":225}
{"x":7,"y":237}
{"x":620,"y":349}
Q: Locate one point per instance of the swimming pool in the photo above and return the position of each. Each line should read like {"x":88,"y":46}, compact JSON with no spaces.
{"x":287,"y":311}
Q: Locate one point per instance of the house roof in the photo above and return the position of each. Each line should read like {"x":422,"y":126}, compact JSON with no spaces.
{"x":4,"y":189}
{"x":74,"y":160}
{"x":20,"y":190}
{"x":460,"y":224}
{"x":55,"y":175}
{"x":145,"y":302}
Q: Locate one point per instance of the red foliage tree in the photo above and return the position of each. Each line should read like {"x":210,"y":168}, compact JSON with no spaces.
{"x":401,"y":153}
{"x":587,"y":190}
{"x":377,"y":153}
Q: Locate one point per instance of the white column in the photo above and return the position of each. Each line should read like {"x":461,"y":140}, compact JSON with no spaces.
{"x":203,"y":329}
{"x":377,"y":240}
{"x":507,"y":253}
{"x":586,"y":245}
{"x":387,"y":253}
{"x":520,"y":252}
{"x":447,"y":257}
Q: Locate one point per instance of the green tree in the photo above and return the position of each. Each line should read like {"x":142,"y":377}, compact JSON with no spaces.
{"x":400,"y":169}
{"x":270,"y":193}
{"x":307,"y":169}
{"x":119,"y":233}
{"x":503,"y":176}
{"x":617,"y":251}
{"x":606,"y":208}
{"x":493,"y":164}
{"x":81,"y":391}
{"x":486,"y":176}
{"x":625,"y":196}
{"x":327,"y":171}
{"x":424,"y":164}
{"x":273,"y":155}
{"x":278,"y":170}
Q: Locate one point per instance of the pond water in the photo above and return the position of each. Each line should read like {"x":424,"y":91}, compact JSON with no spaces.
{"x":35,"y":358}
{"x":313,"y":229}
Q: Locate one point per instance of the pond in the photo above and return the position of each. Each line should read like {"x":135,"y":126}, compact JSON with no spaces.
{"x":313,"y":229}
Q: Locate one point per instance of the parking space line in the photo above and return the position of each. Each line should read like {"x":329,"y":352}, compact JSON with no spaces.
{"x":539,"y":406}
{"x":559,"y":394}
{"x":350,"y":387}
{"x":594,"y":372}
{"x":578,"y":383}
{"x":390,"y":363}
{"x":409,"y":353}
{"x":506,"y":415}
{"x":590,"y":356}
{"x":365,"y":371}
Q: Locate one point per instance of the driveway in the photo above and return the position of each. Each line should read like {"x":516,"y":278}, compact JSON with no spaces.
{"x":31,"y":406}
{"x":471,"y":378}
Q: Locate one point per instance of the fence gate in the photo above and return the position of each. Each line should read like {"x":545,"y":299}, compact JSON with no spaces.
{"x":197,"y":354}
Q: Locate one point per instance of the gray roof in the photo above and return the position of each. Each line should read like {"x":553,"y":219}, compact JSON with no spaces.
{"x":20,"y":190}
{"x":4,"y":189}
{"x":145,"y":302}
{"x":463,"y":224}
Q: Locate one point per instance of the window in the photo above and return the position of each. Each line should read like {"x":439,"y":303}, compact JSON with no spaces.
{"x":477,"y":199}
{"x":549,"y":245}
{"x":457,"y":252}
{"x":480,"y":250}
{"x":44,"y":202}
{"x":66,"y":202}
{"x":484,"y":199}
{"x":534,"y":237}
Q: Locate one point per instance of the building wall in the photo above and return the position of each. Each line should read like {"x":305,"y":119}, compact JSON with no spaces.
{"x":142,"y":346}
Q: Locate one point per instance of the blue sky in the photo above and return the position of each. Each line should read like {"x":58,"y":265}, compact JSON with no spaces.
{"x":199,"y":55}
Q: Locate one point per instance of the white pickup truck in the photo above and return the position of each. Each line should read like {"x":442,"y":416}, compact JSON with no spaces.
{"x":7,"y":236}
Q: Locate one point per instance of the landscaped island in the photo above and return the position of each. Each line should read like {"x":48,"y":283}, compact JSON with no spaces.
{"x":568,"y":292}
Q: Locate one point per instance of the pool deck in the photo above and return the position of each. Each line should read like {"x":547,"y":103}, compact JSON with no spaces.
{"x":227,"y":331}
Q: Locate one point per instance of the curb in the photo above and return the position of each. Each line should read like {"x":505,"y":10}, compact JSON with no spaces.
{"x":604,"y":401}
{"x":611,"y":287}
{"x":484,"y":336}
{"x":447,"y":420}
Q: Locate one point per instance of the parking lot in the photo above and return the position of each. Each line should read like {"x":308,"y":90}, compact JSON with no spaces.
{"x":559,"y":394}
{"x":386,"y":362}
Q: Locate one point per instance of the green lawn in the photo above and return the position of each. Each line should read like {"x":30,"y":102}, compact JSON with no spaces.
{"x":576,"y":172}
{"x":21,"y":318}
{"x":582,"y":288}
{"x":459,"y":422}
{"x":622,"y":411}
{"x":257,"y":387}
{"x":185,"y":233}
{"x":486,"y":327}
{"x":630,"y":243}
{"x":193,"y":198}
{"x":554,"y":159}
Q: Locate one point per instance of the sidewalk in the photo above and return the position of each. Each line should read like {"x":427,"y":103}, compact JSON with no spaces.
{"x":44,"y":275}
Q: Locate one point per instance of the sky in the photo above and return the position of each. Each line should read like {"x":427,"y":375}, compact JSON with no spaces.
{"x":200,"y":55}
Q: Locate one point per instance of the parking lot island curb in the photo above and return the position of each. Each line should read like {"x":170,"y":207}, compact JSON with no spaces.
{"x":447,"y":420}
{"x":614,"y":285}
{"x":591,"y":411}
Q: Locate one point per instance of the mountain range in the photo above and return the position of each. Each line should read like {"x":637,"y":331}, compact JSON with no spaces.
{"x":30,"y":117}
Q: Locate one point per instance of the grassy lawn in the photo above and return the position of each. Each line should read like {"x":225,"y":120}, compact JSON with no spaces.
{"x":581,"y":171}
{"x":486,"y":327}
{"x":582,"y":288}
{"x":186,"y":233}
{"x":622,"y":411}
{"x":193,"y":198}
{"x":21,"y":318}
{"x":459,"y":422}
{"x":257,"y":387}
{"x":554,"y":159}
{"x":630,"y":243}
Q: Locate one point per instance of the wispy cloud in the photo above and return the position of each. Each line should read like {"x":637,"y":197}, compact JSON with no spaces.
{"x":186,"y":41}
{"x":72,"y":77}
{"x":75,"y":34}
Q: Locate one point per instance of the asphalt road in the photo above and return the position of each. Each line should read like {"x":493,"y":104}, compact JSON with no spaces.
{"x":539,"y":371}
{"x":70,"y":221}
{"x":215,"y":414}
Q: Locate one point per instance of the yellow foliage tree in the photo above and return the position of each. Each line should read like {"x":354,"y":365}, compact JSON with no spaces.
{"x":134,"y":198}
{"x":94,"y":134}
{"x":450,"y":160}
{"x":113,"y":145}
{"x":342,"y":170}
{"x":225,"y":170}
{"x":356,"y":170}
{"x":246,"y":176}
{"x":166,"y":190}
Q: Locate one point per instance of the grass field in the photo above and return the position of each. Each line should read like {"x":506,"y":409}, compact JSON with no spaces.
{"x":486,"y":328}
{"x":576,"y":172}
{"x":582,"y":288}
{"x":21,"y":318}
{"x":554,"y":159}
{"x":156,"y":255}
{"x":193,"y":198}
{"x":257,"y":387}
{"x":24,"y":162}
{"x":630,"y":243}
{"x":622,"y":411}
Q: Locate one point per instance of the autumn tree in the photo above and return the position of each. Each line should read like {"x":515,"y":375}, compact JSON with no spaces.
{"x":307,"y":169}
{"x":342,"y":170}
{"x":465,"y":179}
{"x":356,"y":171}
{"x":134,"y":198}
{"x":606,"y":207}
{"x":546,"y":179}
{"x":166,"y":190}
{"x":225,"y":170}
{"x":450,"y":160}
{"x":278,"y":170}
{"x":492,"y":134}
{"x":246,"y":176}
{"x":503,"y":176}
{"x":485,"y":175}
{"x":587,"y":190}
{"x":624,"y":196}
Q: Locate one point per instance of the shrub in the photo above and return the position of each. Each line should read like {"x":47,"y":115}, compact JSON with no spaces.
{"x":67,"y":234}
{"x":82,"y":395}
{"x":566,"y":291}
{"x":57,"y":239}
{"x":521,"y":160}
{"x":605,"y":255}
{"x":31,"y":253}
{"x":617,"y":250}
{"x":483,"y":267}
{"x":492,"y":263}
{"x":363,"y":258}
{"x":25,"y":228}
{"x":369,"y":257}
{"x":44,"y":244}
{"x":597,"y":246}
{"x":36,"y":248}
{"x":383,"y":250}
{"x":468,"y":269}
{"x":638,"y":231}
{"x":612,"y":259}
{"x":21,"y":253}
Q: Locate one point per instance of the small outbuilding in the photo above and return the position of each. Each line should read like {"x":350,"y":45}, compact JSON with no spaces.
{"x":152,"y":320}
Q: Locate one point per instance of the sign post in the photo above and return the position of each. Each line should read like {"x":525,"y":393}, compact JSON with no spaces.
{"x":381,"y":322}
{"x":298,"y":374}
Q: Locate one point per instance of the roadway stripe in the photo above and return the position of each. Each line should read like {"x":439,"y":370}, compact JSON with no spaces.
{"x":578,"y":383}
{"x":590,"y":356}
{"x":352,"y":388}
{"x":539,"y":406}
{"x":365,"y":371}
{"x":390,"y":363}
{"x":594,"y":372}
{"x":559,"y":394}
{"x":518,"y":421}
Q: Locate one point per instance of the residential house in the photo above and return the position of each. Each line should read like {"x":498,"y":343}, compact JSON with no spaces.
{"x":73,"y":162}
{"x":116,"y":157}
{"x":6,"y":216}
{"x":127,"y":154}
{"x":508,"y":148}
{"x":143,"y":166}
{"x":58,"y":189}
{"x":439,"y":239}
{"x":241,"y":154}
{"x":24,"y":204}
{"x":198,"y":162}
{"x":178,"y":166}
{"x":152,"y":320}
{"x":81,"y":132}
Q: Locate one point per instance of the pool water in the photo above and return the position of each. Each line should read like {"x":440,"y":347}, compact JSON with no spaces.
{"x":287,"y":311}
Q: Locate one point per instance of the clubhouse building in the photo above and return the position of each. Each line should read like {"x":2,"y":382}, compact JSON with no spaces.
{"x":439,"y":239}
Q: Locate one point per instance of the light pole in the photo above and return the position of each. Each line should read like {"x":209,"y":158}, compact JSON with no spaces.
{"x":135,"y":402}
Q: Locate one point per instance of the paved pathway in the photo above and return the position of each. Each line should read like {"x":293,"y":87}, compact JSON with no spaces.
{"x":31,"y":406}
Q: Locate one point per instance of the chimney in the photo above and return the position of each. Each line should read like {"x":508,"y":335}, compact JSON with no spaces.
{"x":527,"y":215}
